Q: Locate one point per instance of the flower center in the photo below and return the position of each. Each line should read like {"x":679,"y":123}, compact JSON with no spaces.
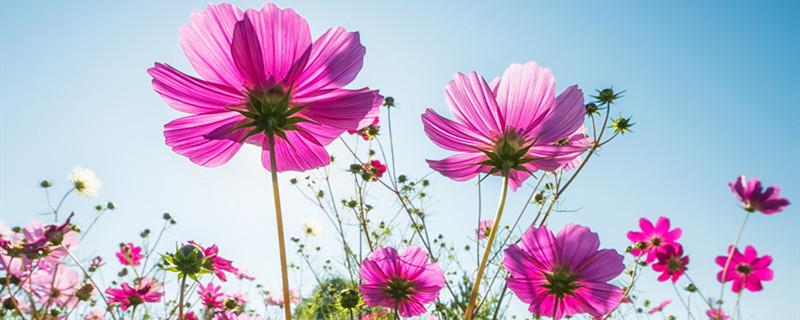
{"x":79,"y":185}
{"x":270,"y":112}
{"x":508,"y":153}
{"x":135,"y":300}
{"x":744,"y":269}
{"x":656,"y":241}
{"x":561,"y":282}
{"x":400,"y":289}
{"x":674,"y":265}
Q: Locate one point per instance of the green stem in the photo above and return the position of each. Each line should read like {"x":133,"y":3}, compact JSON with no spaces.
{"x":487,"y":251}
{"x":730,"y":257}
{"x":287,"y":301}
{"x":183,"y":291}
{"x":86,"y":274}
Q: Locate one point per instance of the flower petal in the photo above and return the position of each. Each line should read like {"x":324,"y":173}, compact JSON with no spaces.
{"x":203,"y":138}
{"x":285,"y":40}
{"x":247,"y":54}
{"x":300,"y":153}
{"x":341,"y":108}
{"x":472,"y":103}
{"x":576,"y":244}
{"x":206,"y":42}
{"x":564,"y":118}
{"x":460,"y":167}
{"x":452,"y":135}
{"x":336,"y":58}
{"x":189,"y":94}
{"x":525,"y":95}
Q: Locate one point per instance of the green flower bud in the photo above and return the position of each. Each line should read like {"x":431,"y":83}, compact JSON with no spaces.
{"x":45,"y":184}
{"x":349,"y":298}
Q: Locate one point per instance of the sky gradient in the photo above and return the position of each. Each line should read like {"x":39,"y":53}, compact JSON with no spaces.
{"x":713,"y":87}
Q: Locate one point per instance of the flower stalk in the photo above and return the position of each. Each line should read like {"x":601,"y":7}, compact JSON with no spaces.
{"x":730,"y":257}
{"x":287,"y":299}
{"x":487,"y":251}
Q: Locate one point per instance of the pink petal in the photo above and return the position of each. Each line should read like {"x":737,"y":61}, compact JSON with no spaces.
{"x":247,"y":54}
{"x":754,"y":284}
{"x":762,"y":262}
{"x":341,"y":109}
{"x":473,"y":104}
{"x":285,"y":40}
{"x":564,"y":118}
{"x":750,"y":254}
{"x":335,"y":60}
{"x":460,"y":167}
{"x":520,"y":265}
{"x":541,"y":245}
{"x":302,"y":152}
{"x":602,"y":266}
{"x":600,"y":298}
{"x":206,"y":41}
{"x":189,"y":94}
{"x":451,"y":135}
{"x":553,"y":157}
{"x":636,"y":237}
{"x":646,"y":226}
{"x":525,"y":95}
{"x":577,"y":243}
{"x":662,"y":225}
{"x":203,"y":139}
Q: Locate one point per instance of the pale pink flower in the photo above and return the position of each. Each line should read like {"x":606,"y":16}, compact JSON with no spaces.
{"x":144,"y":290}
{"x":405,"y":282}
{"x":671,"y":263}
{"x":230,"y":315}
{"x":6,"y":232}
{"x":377,"y":315}
{"x":567,"y":271}
{"x":57,"y":286}
{"x":210,"y":296}
{"x":746,"y":271}
{"x":239,"y":297}
{"x":716,"y":314}
{"x":95,"y":314}
{"x":751,"y":196}
{"x":516,"y":123}
{"x":129,"y":254}
{"x":245,"y":275}
{"x":276,"y":299}
{"x":251,"y":62}
{"x":484,"y":229}
{"x":652,"y":239}
{"x":660,"y":306}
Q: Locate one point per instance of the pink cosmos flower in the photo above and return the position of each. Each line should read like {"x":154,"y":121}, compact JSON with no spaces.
{"x":750,"y":195}
{"x":653,"y":240}
{"x":373,"y":170}
{"x":245,"y":275}
{"x":42,"y":242}
{"x":566,"y":270}
{"x":144,"y":290}
{"x":237,"y":296}
{"x":6,"y":232}
{"x":261,"y":73}
{"x":210,"y":295}
{"x":95,"y":314}
{"x":746,"y":271}
{"x":484,"y":229}
{"x":671,"y":262}
{"x":515,"y":123}
{"x":57,"y":287}
{"x":276,"y":299}
{"x":129,"y":254}
{"x":190,"y":316}
{"x":215,"y":263}
{"x":660,"y":306}
{"x":405,"y":282}
{"x":369,"y":132}
{"x":377,"y":315}
{"x":230,"y":315}
{"x":716,"y":314}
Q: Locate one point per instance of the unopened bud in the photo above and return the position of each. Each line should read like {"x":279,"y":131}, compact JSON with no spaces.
{"x":349,"y":298}
{"x":85,"y":292}
{"x":45,"y":184}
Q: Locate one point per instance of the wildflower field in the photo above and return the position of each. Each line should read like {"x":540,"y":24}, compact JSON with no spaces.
{"x":380,"y":161}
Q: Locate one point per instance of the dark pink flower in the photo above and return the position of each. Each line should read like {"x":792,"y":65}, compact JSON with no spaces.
{"x":746,"y":271}
{"x":190,"y":316}
{"x":215,"y":263}
{"x":750,"y":195}
{"x":660,"y":306}
{"x":369,"y":132}
{"x":567,"y":270}
{"x":484,"y":229}
{"x":262,"y":73}
{"x":42,"y":242}
{"x":129,"y":254}
{"x":652,"y":239}
{"x":372,"y":170}
{"x":716,"y":314}
{"x":210,"y":295}
{"x":144,"y":290}
{"x":671,"y":263}
{"x":405,"y":282}
{"x":516,"y":123}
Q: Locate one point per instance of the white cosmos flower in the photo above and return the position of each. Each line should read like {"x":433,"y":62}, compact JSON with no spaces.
{"x":85,"y":182}
{"x":311,"y":227}
{"x":6,"y":232}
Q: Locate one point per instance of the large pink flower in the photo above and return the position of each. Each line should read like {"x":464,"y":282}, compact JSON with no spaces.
{"x":750,"y":194}
{"x":653,"y":240}
{"x":567,"y":270}
{"x":746,"y":271}
{"x":516,"y":123}
{"x":261,"y":73}
{"x":405,"y":282}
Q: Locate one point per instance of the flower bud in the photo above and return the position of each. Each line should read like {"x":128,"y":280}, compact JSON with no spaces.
{"x":690,"y":287}
{"x":10,"y":303}
{"x":167,"y":216}
{"x":388,"y":102}
{"x":349,"y":298}
{"x":45,"y":184}
{"x":231,"y":304}
{"x":85,"y":292}
{"x":110,"y":205}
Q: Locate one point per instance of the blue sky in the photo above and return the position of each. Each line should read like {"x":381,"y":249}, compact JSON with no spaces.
{"x":713,"y":86}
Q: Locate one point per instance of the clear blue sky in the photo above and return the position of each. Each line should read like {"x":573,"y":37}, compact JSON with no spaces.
{"x":713,"y":86}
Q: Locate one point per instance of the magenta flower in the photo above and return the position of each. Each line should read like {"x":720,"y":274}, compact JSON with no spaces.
{"x":746,"y":271}
{"x":373,"y":170}
{"x":129,"y":254}
{"x":653,"y":240}
{"x":484,"y":229}
{"x":716,"y":314}
{"x":660,"y":306}
{"x":210,"y":295}
{"x":514,"y":124}
{"x":144,"y":290}
{"x":215,"y":263}
{"x":369,"y":132}
{"x":671,"y":263}
{"x":261,"y":74}
{"x":566,"y":270}
{"x":42,"y":242}
{"x":750,"y":195}
{"x":405,"y":282}
{"x":190,"y":316}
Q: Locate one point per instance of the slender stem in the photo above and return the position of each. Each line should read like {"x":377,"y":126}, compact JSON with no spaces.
{"x":86,"y":274}
{"x":677,"y":292}
{"x":730,"y":257}
{"x":183,"y":291}
{"x":488,"y":250}
{"x":736,"y":306}
{"x":555,"y":308}
{"x":629,"y":288}
{"x":287,"y":301}
{"x":477,"y":237}
{"x":85,"y":232}
{"x":133,"y":312}
{"x":58,"y":207}
{"x":11,"y":295}
{"x":391,"y":145}
{"x":500,"y":301}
